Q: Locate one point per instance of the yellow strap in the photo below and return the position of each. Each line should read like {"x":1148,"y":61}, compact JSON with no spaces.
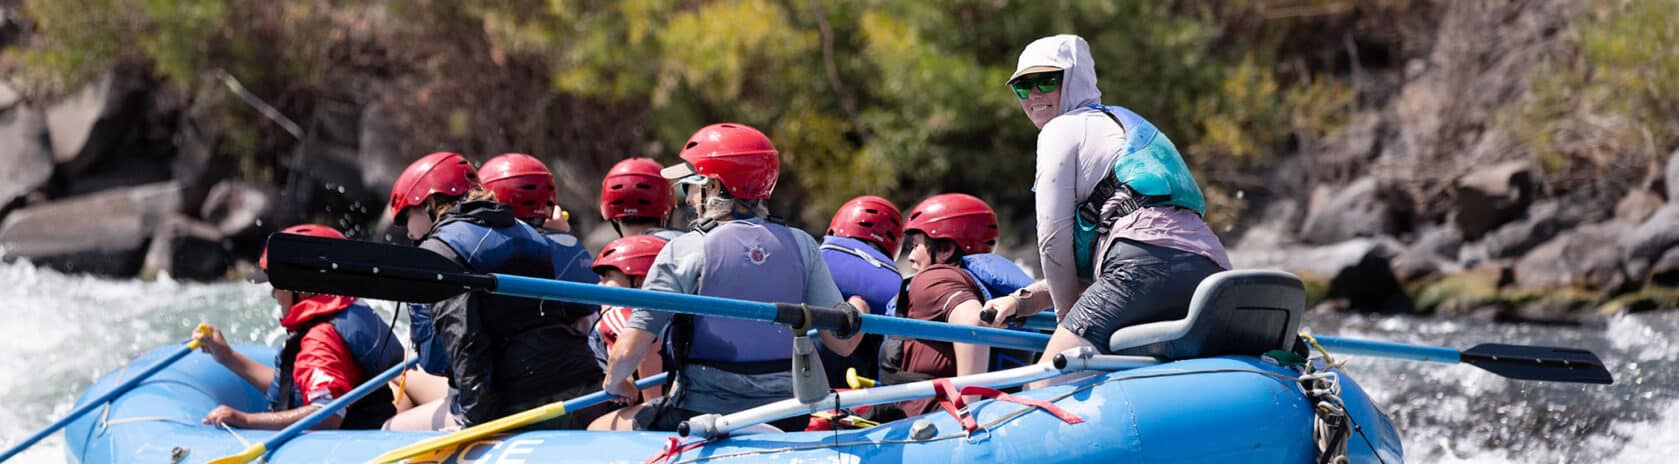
{"x":1313,"y":341}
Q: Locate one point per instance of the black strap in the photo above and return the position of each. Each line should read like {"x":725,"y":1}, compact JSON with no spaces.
{"x":288,"y":360}
{"x":1090,"y":210}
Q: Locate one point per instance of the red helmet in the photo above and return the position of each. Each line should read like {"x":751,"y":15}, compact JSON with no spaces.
{"x":959,"y":217}
{"x":312,"y":230}
{"x":632,"y":255}
{"x":441,"y":172}
{"x":634,"y":188}
{"x":872,"y":219}
{"x":521,"y":181}
{"x":738,"y":156}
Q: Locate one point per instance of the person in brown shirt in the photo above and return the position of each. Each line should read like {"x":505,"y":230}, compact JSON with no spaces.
{"x":940,"y":231}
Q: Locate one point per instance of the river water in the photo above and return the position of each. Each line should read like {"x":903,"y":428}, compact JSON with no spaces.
{"x":60,"y":332}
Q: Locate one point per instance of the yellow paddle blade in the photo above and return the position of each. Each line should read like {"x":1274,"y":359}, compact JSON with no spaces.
{"x":857,"y":381}
{"x":474,"y":433}
{"x":202,"y":329}
{"x":249,"y":454}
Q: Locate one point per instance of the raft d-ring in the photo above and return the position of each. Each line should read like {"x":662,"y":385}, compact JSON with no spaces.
{"x":971,"y":435}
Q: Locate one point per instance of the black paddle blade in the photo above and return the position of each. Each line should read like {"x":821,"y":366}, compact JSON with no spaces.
{"x":1539,"y":363}
{"x":367,"y":270}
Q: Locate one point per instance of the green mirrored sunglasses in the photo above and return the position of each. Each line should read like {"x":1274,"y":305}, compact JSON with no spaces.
{"x":1045,"y":82}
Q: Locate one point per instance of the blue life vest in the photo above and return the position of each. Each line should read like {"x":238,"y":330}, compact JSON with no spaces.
{"x":1151,"y":167}
{"x":522,"y":250}
{"x":859,"y":269}
{"x":373,"y":347}
{"x":996,"y":275}
{"x":747,"y":261}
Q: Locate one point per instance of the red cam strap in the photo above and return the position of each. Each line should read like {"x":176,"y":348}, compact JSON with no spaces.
{"x":951,"y":399}
{"x":673,"y":450}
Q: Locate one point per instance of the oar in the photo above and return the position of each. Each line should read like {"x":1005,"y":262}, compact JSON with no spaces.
{"x":1520,"y":362}
{"x":100,"y":400}
{"x":398,"y":273}
{"x":531,"y":416}
{"x":258,"y":450}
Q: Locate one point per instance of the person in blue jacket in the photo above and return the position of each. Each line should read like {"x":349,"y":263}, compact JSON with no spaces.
{"x":861,"y":249}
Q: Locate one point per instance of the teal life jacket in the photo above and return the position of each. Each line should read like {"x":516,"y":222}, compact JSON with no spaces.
{"x":1150,"y":167}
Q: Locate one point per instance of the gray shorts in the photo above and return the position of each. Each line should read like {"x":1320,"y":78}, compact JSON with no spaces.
{"x":1138,"y":283}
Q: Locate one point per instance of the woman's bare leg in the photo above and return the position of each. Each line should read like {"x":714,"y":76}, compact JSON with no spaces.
{"x":1063,"y":340}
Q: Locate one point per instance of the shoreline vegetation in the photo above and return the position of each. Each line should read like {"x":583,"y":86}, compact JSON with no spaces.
{"x":1511,"y":160}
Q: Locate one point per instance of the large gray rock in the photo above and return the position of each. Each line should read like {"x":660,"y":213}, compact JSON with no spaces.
{"x":1637,"y":206}
{"x":1583,"y":257}
{"x":1488,"y":198}
{"x":1435,"y":251}
{"x":24,"y":155}
{"x":1655,"y":235}
{"x":1359,"y":270}
{"x":89,"y":123}
{"x":1544,"y":221}
{"x":1666,"y":270}
{"x":242,"y":210}
{"x":103,"y":233}
{"x":1338,"y":215}
{"x":187,"y":249}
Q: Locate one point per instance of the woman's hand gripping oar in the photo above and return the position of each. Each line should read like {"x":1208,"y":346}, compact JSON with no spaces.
{"x":258,"y":450}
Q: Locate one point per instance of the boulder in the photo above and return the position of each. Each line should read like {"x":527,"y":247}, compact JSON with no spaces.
{"x":89,"y":123}
{"x":1583,"y":257}
{"x":1359,"y":270}
{"x":1656,"y":235}
{"x":1338,"y":215}
{"x":103,"y":233}
{"x":1433,"y":252}
{"x":1666,"y":270}
{"x":1487,"y":198}
{"x":1637,"y":206}
{"x":1544,"y":221}
{"x":242,"y":211}
{"x":24,"y":154}
{"x":187,"y":249}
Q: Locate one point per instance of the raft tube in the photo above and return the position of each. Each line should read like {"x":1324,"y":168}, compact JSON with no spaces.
{"x":1212,"y":410}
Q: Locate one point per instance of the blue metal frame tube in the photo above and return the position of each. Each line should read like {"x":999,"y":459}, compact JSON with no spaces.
{"x":529,"y":287}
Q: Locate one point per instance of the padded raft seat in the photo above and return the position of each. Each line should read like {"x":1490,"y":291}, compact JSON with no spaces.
{"x":1241,"y":312}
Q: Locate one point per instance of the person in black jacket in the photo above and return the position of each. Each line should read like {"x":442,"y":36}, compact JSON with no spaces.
{"x":504,"y":354}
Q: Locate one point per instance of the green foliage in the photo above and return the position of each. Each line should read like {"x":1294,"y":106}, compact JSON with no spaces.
{"x":898,"y":98}
{"x":1617,"y":104}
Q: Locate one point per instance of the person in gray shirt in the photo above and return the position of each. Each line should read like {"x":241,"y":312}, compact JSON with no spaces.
{"x":736,"y":251}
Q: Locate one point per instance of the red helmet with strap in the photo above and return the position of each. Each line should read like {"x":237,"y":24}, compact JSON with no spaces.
{"x":738,"y":156}
{"x":437,"y":173}
{"x":634,"y":188}
{"x":522,"y":182}
{"x":961,"y":218}
{"x":312,"y":230}
{"x":871,"y":219}
{"x":632,"y":255}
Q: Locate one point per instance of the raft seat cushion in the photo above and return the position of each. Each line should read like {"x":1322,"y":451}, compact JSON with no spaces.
{"x":1237,"y":312}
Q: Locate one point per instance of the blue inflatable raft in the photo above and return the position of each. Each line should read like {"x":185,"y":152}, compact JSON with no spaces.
{"x":1203,"y":407}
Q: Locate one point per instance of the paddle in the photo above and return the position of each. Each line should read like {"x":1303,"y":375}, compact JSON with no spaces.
{"x":531,"y":416}
{"x":181,"y":352}
{"x":398,"y":273}
{"x":256,"y":451}
{"x":1520,"y":362}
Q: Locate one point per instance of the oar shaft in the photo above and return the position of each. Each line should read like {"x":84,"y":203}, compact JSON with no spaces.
{"x":356,"y":394}
{"x":722,"y":307}
{"x":1435,"y":354}
{"x":98,"y":401}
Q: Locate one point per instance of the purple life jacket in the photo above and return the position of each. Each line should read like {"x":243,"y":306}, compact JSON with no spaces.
{"x":755,"y":262}
{"x":859,"y":269}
